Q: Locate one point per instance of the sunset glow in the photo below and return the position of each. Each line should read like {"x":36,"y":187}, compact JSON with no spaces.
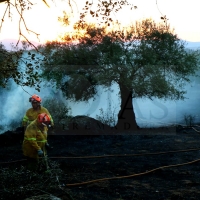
{"x":182,"y":15}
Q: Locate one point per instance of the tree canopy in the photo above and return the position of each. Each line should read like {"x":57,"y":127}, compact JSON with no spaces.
{"x":20,"y":66}
{"x":146,"y":60}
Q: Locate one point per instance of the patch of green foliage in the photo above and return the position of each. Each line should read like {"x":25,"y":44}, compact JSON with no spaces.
{"x":60,"y":113}
{"x":107,"y":116}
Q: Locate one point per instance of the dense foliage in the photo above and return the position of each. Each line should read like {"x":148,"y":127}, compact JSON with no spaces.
{"x":20,"y":66}
{"x":59,"y":111}
{"x":146,"y":60}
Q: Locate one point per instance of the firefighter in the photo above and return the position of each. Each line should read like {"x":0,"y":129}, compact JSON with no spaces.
{"x":32,"y":113}
{"x":35,"y":139}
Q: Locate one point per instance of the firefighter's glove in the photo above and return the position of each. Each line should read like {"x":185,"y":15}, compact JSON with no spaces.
{"x":40,"y":153}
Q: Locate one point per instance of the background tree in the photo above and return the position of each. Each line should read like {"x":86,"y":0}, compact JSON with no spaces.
{"x":146,"y":60}
{"x":20,"y":66}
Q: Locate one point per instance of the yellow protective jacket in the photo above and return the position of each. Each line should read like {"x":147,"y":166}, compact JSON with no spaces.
{"x":34,"y":140}
{"x":32,"y":114}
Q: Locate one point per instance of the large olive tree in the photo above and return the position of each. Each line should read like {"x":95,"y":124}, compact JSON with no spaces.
{"x":146,"y":60}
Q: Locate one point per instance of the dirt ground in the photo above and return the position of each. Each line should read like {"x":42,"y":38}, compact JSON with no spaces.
{"x":148,"y":164}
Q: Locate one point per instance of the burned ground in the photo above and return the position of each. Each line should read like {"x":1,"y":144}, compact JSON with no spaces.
{"x":145,"y":164}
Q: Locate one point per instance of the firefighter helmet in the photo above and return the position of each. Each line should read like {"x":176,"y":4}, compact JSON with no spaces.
{"x":35,"y":98}
{"x":44,"y":119}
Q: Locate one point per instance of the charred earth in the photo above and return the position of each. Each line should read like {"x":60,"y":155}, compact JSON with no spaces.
{"x":158,"y":163}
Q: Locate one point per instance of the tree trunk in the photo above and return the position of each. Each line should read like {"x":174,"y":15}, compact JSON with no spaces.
{"x":126,"y":116}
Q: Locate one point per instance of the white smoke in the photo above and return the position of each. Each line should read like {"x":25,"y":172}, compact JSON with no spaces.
{"x":148,"y":113}
{"x":15,"y":102}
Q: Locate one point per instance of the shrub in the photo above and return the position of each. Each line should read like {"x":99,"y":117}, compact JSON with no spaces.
{"x":60,"y":113}
{"x":189,"y":119}
{"x":108,"y":116}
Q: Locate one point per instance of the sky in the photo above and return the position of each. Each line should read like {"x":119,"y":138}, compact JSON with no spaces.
{"x":182,"y":15}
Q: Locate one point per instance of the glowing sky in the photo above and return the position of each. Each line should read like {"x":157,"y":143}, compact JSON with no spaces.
{"x":183,"y":15}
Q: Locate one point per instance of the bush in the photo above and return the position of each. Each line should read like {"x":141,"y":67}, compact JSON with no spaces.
{"x":107,"y":117}
{"x":60,"y":113}
{"x":189,"y":119}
